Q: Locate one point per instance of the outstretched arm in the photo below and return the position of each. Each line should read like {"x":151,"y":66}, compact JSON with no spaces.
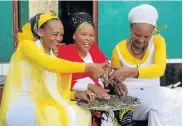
{"x":52,"y":64}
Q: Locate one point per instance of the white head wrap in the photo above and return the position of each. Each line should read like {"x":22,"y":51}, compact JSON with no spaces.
{"x":143,"y":14}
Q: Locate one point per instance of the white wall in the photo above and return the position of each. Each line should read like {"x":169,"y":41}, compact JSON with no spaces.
{"x":42,"y":6}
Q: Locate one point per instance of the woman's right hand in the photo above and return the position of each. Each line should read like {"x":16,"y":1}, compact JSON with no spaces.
{"x":97,"y":70}
{"x":99,"y":91}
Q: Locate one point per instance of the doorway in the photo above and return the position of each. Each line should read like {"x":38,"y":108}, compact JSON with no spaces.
{"x":67,"y":8}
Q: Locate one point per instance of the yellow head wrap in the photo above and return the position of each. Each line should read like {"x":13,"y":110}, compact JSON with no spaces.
{"x":26,"y":29}
{"x":46,"y":17}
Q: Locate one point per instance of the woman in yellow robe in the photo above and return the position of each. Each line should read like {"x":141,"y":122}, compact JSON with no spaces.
{"x":32,"y":95}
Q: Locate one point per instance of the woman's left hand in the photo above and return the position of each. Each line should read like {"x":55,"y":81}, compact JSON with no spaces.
{"x":121,"y":73}
{"x":87,"y":96}
{"x":120,"y":89}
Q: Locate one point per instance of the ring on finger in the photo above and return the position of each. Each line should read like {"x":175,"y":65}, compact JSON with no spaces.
{"x":92,"y":93}
{"x":88,"y":92}
{"x":99,"y":95}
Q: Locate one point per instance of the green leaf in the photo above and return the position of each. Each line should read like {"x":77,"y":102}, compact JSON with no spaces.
{"x":158,"y":28}
{"x":53,"y":13}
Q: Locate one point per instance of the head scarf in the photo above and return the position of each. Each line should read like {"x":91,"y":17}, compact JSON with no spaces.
{"x":79,"y":18}
{"x":30,"y":29}
{"x":143,"y":14}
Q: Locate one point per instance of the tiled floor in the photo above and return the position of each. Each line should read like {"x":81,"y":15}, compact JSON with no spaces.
{"x":3,"y":72}
{"x":2,"y":80}
{"x":4,"y":68}
{"x":1,"y":67}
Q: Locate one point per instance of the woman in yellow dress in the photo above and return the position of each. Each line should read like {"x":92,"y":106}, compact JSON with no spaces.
{"x":34,"y":95}
{"x":143,"y":61}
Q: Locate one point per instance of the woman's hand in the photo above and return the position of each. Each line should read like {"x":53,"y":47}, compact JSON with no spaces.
{"x":87,"y":96}
{"x":121,"y":73}
{"x":97,"y":70}
{"x":99,"y":91}
{"x":108,"y":72}
{"x":120,"y":89}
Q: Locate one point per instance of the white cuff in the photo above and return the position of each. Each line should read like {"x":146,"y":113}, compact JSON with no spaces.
{"x":82,"y":84}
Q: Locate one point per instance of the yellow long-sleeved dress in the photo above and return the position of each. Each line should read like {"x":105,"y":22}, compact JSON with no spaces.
{"x":32,"y":95}
{"x":157,"y":103}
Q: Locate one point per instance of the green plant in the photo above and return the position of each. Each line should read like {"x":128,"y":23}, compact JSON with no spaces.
{"x":158,"y":28}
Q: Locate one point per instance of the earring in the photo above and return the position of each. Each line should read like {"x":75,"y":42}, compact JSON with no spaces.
{"x":73,"y":39}
{"x":41,"y":41}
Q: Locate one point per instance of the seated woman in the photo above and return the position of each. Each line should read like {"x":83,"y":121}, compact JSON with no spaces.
{"x":85,"y":50}
{"x":33,"y":94}
{"x":140,"y":61}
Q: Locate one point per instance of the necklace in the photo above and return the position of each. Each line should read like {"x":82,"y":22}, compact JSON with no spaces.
{"x":137,"y":53}
{"x":138,"y":65}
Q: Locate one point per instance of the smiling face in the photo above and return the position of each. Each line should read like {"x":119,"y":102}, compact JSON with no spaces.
{"x":52,"y":34}
{"x":141,"y":34}
{"x":84,"y":37}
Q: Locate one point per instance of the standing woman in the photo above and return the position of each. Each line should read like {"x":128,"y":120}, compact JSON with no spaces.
{"x":33,"y":94}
